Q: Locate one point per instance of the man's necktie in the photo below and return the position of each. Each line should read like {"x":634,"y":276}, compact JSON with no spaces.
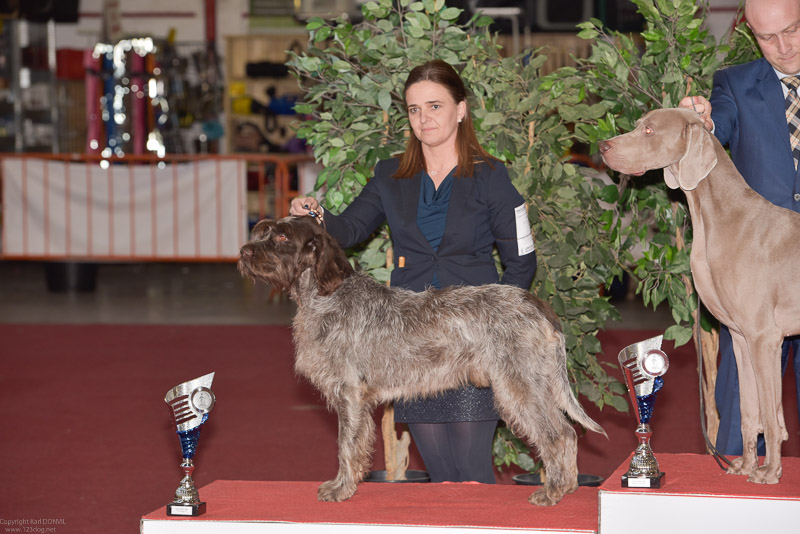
{"x":793,"y":115}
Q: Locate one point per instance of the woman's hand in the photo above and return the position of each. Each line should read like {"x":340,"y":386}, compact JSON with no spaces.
{"x":304,"y":206}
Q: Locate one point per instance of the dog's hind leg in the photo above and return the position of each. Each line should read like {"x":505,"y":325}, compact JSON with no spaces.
{"x":356,"y":429}
{"x":559,"y":454}
{"x":540,"y":422}
{"x":748,"y":403}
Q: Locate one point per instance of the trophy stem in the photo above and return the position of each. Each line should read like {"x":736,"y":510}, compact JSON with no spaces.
{"x":644,"y":462}
{"x":187,"y":492}
{"x":644,"y":466}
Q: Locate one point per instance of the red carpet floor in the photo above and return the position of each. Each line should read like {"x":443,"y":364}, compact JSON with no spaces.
{"x":87,"y":440}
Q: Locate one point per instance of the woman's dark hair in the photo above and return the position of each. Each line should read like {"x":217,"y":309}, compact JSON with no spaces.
{"x":469,"y":150}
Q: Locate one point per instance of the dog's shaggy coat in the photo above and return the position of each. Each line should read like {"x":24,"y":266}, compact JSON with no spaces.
{"x":361,"y":344}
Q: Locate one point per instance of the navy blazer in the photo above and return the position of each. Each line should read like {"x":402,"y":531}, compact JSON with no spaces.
{"x":481,"y":214}
{"x":749,"y":114}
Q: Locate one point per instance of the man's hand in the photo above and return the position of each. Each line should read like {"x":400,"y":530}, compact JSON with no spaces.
{"x":701,"y":106}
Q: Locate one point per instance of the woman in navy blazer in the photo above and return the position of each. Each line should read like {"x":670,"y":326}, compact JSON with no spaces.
{"x":448,"y":203}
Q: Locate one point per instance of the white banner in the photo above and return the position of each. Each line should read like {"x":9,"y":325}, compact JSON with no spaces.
{"x":191,"y":210}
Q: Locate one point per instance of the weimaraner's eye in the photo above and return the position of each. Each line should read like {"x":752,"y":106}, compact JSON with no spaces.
{"x":647,"y":130}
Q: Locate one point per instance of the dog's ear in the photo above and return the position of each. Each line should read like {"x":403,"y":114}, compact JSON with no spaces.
{"x":329,"y":263}
{"x":697,"y":161}
{"x":670,"y":179}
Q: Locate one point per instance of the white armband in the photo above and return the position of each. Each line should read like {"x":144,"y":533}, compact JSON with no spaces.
{"x":525,"y":243}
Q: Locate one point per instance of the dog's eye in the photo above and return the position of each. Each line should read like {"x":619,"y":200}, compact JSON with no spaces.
{"x":647,"y":130}
{"x":281,"y":237}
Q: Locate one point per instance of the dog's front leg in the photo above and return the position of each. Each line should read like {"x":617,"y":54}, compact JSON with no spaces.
{"x":748,"y":403}
{"x":355,"y":445}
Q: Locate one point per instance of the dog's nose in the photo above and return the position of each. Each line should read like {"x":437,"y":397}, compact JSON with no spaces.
{"x":245,"y":252}
{"x":604,"y":146}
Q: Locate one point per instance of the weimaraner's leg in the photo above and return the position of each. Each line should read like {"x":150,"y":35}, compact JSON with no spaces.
{"x":767,"y":366}
{"x":748,"y":402}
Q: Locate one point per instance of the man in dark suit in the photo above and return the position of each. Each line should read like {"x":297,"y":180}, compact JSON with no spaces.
{"x":748,"y":113}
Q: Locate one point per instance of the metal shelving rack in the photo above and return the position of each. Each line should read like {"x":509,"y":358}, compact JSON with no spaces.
{"x":28,"y":103}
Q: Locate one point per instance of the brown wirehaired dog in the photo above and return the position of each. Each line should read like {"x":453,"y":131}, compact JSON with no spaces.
{"x":362,"y":343}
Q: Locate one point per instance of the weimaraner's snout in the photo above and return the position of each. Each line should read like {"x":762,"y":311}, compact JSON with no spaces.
{"x":627,"y":156}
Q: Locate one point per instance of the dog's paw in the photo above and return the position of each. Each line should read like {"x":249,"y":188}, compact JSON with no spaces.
{"x":765,"y":475}
{"x":335,"y":491}
{"x":547,"y":496}
{"x":739,"y":467}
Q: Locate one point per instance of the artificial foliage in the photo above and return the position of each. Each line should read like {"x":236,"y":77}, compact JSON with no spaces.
{"x":675,"y":56}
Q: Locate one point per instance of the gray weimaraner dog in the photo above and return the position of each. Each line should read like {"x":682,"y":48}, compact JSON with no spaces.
{"x":744,"y":261}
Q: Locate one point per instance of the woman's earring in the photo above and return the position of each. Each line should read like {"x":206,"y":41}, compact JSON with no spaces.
{"x":459,"y":121}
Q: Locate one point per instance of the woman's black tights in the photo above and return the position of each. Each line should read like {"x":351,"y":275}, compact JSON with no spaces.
{"x":456,"y":452}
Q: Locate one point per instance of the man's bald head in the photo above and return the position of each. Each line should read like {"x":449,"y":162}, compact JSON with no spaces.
{"x":776,"y":25}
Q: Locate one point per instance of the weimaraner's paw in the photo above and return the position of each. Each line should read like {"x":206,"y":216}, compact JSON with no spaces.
{"x":335,"y":491}
{"x":765,"y":475}
{"x":738,"y":467}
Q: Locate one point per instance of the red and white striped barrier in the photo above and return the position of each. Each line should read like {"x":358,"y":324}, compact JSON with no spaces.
{"x":137,"y":208}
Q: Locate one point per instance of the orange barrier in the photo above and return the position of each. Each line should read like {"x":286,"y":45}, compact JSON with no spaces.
{"x":125,"y":216}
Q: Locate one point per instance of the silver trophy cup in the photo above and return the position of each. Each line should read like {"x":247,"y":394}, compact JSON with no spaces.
{"x":643,"y":364}
{"x":190,"y":404}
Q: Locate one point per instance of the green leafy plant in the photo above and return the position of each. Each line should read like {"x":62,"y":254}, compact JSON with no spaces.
{"x":679,"y":58}
{"x":353,"y":75}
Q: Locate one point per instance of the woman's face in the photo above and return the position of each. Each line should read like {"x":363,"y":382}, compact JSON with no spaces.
{"x":433,"y":113}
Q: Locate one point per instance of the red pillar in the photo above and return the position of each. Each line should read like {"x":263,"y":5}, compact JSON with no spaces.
{"x":211,"y":22}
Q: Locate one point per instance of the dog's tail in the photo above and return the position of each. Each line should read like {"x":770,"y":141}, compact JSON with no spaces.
{"x":570,"y":404}
{"x":576,"y":413}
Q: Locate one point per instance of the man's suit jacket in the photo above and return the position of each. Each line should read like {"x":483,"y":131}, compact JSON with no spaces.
{"x":749,"y":114}
{"x":481,"y":213}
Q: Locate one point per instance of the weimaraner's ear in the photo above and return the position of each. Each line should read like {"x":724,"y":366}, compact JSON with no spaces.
{"x":670,"y":179}
{"x":696,"y":162}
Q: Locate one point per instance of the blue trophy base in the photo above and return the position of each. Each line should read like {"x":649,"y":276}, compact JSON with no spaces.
{"x":186,"y":510}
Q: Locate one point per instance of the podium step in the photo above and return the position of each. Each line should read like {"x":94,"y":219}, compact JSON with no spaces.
{"x":697,"y":496}
{"x":292,"y":508}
